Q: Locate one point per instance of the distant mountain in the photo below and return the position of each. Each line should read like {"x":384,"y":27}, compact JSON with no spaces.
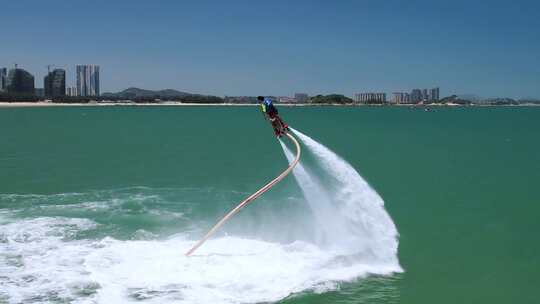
{"x":501,"y":101}
{"x":141,"y":93}
{"x":529,"y":100}
{"x":471,"y":97}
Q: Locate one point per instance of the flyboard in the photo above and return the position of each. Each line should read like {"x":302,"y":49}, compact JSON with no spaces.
{"x":251,"y":197}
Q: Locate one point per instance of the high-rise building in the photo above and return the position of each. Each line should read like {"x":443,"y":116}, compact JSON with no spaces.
{"x":434,"y":94}
{"x":3,"y":79}
{"x":88,"y":80}
{"x":370,"y":97}
{"x":55,"y":83}
{"x":301,"y":97}
{"x":47,"y":85}
{"x":425,"y":95}
{"x":71,"y":91}
{"x":416,"y":95}
{"x":400,"y":98}
{"x":20,"y":82}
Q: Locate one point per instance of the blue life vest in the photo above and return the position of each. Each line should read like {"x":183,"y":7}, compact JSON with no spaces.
{"x":269,"y":106}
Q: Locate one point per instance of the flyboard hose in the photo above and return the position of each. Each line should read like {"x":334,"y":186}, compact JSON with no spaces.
{"x":251,"y":197}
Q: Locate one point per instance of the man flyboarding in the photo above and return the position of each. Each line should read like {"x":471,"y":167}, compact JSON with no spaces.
{"x":271,"y":113}
{"x":280,"y":128}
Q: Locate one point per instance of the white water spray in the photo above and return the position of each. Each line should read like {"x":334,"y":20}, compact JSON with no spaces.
{"x":347,"y":210}
{"x":328,"y":224}
{"x":45,"y":259}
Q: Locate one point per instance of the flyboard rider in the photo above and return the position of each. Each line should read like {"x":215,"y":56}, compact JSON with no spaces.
{"x":271,"y":113}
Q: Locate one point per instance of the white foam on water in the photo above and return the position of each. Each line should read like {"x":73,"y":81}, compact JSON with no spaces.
{"x":226,"y":270}
{"x":120,"y":202}
{"x":41,"y":262}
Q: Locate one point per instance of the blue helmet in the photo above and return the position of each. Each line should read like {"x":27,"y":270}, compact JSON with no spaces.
{"x":267,"y":101}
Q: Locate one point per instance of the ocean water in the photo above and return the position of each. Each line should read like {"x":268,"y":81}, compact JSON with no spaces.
{"x":388,"y":205}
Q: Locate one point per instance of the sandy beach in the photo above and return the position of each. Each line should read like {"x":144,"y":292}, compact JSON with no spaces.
{"x":104,"y":104}
{"x":172,"y":103}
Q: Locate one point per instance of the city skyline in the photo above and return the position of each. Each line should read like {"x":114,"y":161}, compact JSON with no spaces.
{"x":16,"y":80}
{"x":21,"y":82}
{"x":88,"y":84}
{"x":243,"y":48}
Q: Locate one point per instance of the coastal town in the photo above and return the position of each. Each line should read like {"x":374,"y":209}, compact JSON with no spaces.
{"x":18,"y":87}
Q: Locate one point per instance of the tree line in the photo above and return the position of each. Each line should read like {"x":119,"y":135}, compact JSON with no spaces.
{"x":203,"y":99}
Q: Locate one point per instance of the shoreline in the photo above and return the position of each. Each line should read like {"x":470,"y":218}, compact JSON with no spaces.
{"x":132,"y":104}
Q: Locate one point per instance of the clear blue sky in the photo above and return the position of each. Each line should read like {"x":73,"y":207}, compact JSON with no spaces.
{"x":490,"y":48}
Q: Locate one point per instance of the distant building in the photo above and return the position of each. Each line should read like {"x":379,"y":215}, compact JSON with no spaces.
{"x":39,"y":92}
{"x":71,"y":91}
{"x":416,"y":96}
{"x":20,"y":82}
{"x":434,"y":94}
{"x":425,"y":95}
{"x":287,"y":99}
{"x":88,"y":80}
{"x":401,"y":98}
{"x":301,"y":97}
{"x":3,"y":79}
{"x":55,"y":83}
{"x":47,"y":84}
{"x":370,"y":97}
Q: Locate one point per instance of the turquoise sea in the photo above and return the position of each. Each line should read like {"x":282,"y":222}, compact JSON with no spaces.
{"x":390,"y":205}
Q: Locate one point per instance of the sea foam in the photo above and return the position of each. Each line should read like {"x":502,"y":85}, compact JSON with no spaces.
{"x":46,"y":263}
{"x":52,"y":259}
